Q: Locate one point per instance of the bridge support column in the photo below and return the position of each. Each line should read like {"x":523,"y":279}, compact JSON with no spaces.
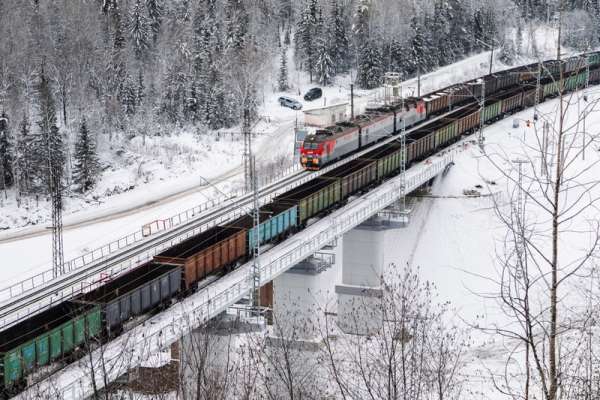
{"x":302,"y":294}
{"x":359,"y":293}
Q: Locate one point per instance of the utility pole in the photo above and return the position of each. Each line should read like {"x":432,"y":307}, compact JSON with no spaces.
{"x":537,"y":91}
{"x":585,"y":97}
{"x":351,"y":101}
{"x":419,"y":80}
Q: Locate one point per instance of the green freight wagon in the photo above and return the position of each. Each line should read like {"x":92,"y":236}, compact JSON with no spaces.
{"x":550,"y":89}
{"x":445,"y":134}
{"x":389,"y":159}
{"x":134,"y":293}
{"x":354,"y":175}
{"x":492,"y":111}
{"x":45,"y":337}
{"x":312,"y":197}
{"x":594,"y":58}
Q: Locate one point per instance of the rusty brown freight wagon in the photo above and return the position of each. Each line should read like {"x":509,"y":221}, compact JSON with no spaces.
{"x":205,"y":253}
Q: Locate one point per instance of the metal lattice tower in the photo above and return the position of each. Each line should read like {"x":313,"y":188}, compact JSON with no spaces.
{"x":247,"y":133}
{"x":57,"y":225}
{"x":255,"y":291}
{"x":403,"y":163}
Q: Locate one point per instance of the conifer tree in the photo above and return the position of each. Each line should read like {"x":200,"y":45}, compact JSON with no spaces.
{"x":370,"y":65}
{"x":129,"y":96}
{"x":325,"y":66}
{"x":141,"y":90}
{"x":6,"y":153}
{"x":138,"y":30}
{"x":283,"y":71}
{"x":155,"y":13}
{"x":339,"y":42}
{"x":50,"y":141}
{"x":87,"y":166}
{"x":24,"y":157}
{"x":237,"y":24}
{"x":306,"y":35}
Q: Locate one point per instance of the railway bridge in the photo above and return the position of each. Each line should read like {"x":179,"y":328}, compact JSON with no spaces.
{"x":106,"y":364}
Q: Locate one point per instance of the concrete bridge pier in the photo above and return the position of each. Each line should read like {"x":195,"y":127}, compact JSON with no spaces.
{"x":303,"y":294}
{"x":359,"y":293}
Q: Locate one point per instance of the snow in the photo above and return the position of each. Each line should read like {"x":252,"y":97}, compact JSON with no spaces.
{"x":173,"y":172}
{"x":455,"y":239}
{"x":451,"y":237}
{"x":165,"y":328}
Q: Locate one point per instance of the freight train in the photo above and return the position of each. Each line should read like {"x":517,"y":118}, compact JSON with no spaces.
{"x":337,"y":141}
{"x":64,"y":332}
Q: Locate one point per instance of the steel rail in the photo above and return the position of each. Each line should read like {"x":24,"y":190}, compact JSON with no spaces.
{"x":66,"y":286}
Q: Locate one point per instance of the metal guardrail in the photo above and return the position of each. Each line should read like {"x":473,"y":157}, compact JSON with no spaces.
{"x":121,"y":266}
{"x":42,"y":278}
{"x":158,"y":333}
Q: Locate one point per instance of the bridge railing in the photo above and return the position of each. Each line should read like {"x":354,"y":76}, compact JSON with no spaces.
{"x":129,"y":351}
{"x":21,"y":287}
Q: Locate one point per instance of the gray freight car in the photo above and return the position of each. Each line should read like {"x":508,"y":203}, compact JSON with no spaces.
{"x":134,"y":293}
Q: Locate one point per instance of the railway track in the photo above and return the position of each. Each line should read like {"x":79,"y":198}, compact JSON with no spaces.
{"x":87,"y":278}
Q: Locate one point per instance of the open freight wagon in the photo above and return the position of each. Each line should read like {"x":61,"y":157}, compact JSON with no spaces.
{"x":44,"y":338}
{"x":206,"y":253}
{"x":275,"y":221}
{"x":134,"y":293}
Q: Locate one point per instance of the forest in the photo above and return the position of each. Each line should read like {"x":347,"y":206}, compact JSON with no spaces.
{"x":76,"y":75}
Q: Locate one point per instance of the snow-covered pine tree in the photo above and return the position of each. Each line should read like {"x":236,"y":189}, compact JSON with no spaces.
{"x":174,"y":88}
{"x":369,"y":56}
{"x":139,"y":30}
{"x":129,"y":96}
{"x":370,"y":65}
{"x":87,"y":166}
{"x":6,"y":153}
{"x":339,"y":49}
{"x":50,"y":144}
{"x":155,"y":13}
{"x":443,"y":43}
{"x":141,"y":90}
{"x":191,"y":104}
{"x":519,"y":38}
{"x":306,"y":33}
{"x":508,"y":52}
{"x":282,"y":80}
{"x":24,"y":158}
{"x":325,"y":66}
{"x":237,"y":21}
{"x":417,"y":46}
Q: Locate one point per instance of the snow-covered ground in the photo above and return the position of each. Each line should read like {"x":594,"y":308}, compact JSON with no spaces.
{"x":174,"y":170}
